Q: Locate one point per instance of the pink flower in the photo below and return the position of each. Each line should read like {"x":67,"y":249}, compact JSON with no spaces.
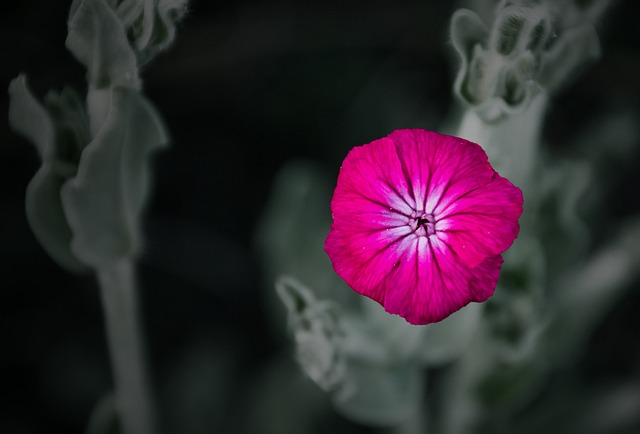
{"x":420,"y":220}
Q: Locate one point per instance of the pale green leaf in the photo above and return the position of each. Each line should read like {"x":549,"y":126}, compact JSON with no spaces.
{"x":575,"y":48}
{"x":380,"y":395}
{"x":71,"y":129}
{"x":446,"y":340}
{"x":28,"y":118}
{"x":317,"y":331}
{"x":151,"y":24}
{"x":291,"y":232}
{"x":584,"y":295}
{"x":104,"y":201}
{"x":47,"y":218}
{"x":467,"y":32}
{"x":43,"y":205}
{"x":98,"y":39}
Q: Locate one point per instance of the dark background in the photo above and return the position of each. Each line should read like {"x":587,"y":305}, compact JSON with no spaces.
{"x":246,"y":87}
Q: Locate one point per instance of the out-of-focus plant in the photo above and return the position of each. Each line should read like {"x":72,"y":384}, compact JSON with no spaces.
{"x":554,"y":286}
{"x":85,"y":202}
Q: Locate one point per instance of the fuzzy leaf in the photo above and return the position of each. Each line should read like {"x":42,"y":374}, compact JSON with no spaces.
{"x":43,"y":204}
{"x":467,"y":32}
{"x":291,"y":233}
{"x":448,"y":339}
{"x":47,"y":218}
{"x":151,"y":24}
{"x":573,"y":50}
{"x":28,"y":118}
{"x":104,"y":201}
{"x":99,"y":41}
{"x":317,"y":331}
{"x":380,"y":395}
{"x":71,"y":123}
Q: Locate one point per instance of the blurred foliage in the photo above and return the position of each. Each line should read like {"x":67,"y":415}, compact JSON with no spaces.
{"x":247,"y":87}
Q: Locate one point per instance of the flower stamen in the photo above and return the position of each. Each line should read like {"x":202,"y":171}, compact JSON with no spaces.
{"x":423,"y":224}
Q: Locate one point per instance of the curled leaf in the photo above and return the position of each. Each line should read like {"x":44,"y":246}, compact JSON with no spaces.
{"x":577,"y":47}
{"x":99,"y":41}
{"x":57,"y":132}
{"x":28,"y":118}
{"x":104,"y":200}
{"x":47,"y":218}
{"x":318,"y":334}
{"x":151,"y":24}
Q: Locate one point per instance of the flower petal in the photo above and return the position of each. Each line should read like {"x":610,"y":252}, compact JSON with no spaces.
{"x":484,"y":278}
{"x":373,"y":174}
{"x":431,"y":282}
{"x":440,"y":168}
{"x":365,"y":258}
{"x":419,"y":290}
{"x":483,"y":222}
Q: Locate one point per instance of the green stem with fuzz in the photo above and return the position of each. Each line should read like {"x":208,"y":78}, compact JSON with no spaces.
{"x":126,"y":346}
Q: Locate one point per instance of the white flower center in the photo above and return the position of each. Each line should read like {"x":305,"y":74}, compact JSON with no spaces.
{"x":423,"y":224}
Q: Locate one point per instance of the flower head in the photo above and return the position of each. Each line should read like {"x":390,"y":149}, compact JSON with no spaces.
{"x":420,"y":220}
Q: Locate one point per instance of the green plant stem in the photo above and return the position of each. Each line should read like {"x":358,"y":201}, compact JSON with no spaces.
{"x":511,"y":143}
{"x":126,"y":346}
{"x":416,"y":422}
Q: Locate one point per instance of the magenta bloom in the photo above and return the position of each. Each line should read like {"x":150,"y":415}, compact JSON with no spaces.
{"x":420,"y":220}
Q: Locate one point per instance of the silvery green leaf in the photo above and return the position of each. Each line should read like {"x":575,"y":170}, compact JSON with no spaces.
{"x":518,"y":28}
{"x":468,"y":33}
{"x":295,"y":223}
{"x":28,"y":118}
{"x":317,"y":332}
{"x":508,"y":387}
{"x":43,"y":203}
{"x":291,"y":232}
{"x":47,"y":217}
{"x":515,"y":317}
{"x":129,"y":12}
{"x":151,"y":24}
{"x":71,"y":129}
{"x":564,"y":184}
{"x":575,"y":47}
{"x":296,"y":297}
{"x":319,"y":357}
{"x":494,"y":84}
{"x":503,"y":69}
{"x":368,"y":384}
{"x":512,"y":143}
{"x":578,"y":12}
{"x":382,"y":338}
{"x":104,"y":200}
{"x":99,"y":41}
{"x":482,"y":384}
{"x":585,"y":294}
{"x":515,"y":325}
{"x":98,"y":106}
{"x":379,"y":395}
{"x":446,"y":340}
